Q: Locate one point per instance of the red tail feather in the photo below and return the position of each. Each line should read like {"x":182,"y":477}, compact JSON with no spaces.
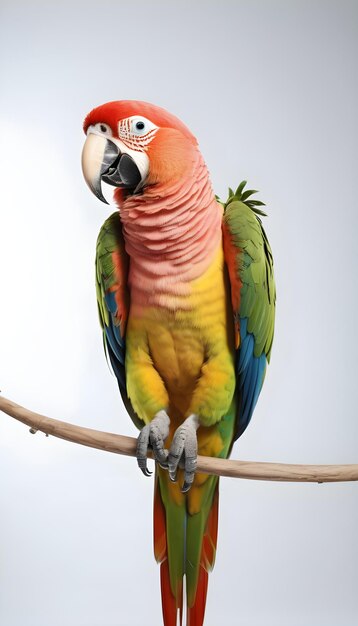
{"x":211,"y":535}
{"x":171,"y":604}
{"x":195,"y":614}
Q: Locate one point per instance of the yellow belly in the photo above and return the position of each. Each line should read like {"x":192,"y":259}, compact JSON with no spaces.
{"x":183,"y":361}
{"x":167,"y":351}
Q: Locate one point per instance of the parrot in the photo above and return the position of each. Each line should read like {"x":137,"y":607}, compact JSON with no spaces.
{"x":186,"y":299}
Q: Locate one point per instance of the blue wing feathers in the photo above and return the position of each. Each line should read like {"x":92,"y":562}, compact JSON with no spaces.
{"x":251,"y":371}
{"x":117,"y":367}
{"x":116,"y":347}
{"x":110,"y":301}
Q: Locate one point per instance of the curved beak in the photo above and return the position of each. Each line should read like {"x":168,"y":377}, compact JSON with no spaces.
{"x":103,"y":160}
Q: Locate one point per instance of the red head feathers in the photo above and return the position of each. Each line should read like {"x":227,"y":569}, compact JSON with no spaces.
{"x":112,"y":112}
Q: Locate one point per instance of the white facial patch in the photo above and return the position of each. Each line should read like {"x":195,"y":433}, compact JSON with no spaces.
{"x":137,"y":132}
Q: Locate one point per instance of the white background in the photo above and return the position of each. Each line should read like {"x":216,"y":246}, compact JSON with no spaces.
{"x":270,"y":90}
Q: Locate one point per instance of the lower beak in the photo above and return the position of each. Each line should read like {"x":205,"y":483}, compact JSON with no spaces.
{"x":103,"y":160}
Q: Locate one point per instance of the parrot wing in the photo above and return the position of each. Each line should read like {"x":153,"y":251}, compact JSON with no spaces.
{"x":113,"y":300}
{"x":249,"y":261}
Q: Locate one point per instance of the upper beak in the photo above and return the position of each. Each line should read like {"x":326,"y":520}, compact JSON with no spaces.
{"x":97,"y":155}
{"x":103,"y":160}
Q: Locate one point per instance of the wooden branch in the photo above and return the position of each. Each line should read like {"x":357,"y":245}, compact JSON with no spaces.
{"x":208,"y":465}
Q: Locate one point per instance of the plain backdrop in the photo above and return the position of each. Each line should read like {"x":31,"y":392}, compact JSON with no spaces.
{"x":270,"y":90}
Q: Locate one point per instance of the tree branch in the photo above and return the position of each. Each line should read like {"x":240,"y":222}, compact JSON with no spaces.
{"x":208,"y":465}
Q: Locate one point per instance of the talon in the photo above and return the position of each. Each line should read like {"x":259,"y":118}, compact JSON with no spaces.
{"x":142,"y":464}
{"x":174,"y":457}
{"x":183,"y":452}
{"x":172,"y":470}
{"x":152,"y":436}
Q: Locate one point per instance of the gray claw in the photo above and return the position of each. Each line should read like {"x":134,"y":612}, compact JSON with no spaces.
{"x":157,"y":438}
{"x":142,"y":464}
{"x":174,"y":457}
{"x":189,"y":472}
{"x":185,"y":445}
{"x":173,"y":462}
{"x":142,"y":447}
{"x":153,"y":435}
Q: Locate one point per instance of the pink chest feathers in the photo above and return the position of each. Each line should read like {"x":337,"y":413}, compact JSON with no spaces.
{"x":171,"y":235}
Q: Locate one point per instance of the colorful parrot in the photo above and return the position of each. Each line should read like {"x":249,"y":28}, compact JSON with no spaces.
{"x":186,"y":300}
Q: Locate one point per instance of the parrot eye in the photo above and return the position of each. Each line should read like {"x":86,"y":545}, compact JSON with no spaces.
{"x":139,"y":126}
{"x":136,"y":131}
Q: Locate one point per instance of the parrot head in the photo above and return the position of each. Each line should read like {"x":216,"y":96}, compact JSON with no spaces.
{"x":132,"y":145}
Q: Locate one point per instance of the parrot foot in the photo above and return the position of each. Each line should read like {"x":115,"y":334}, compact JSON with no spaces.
{"x":153,"y":435}
{"x":184,"y":451}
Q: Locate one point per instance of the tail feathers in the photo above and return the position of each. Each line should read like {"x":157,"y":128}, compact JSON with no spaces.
{"x":195,"y":614}
{"x":196,"y":608}
{"x":169,"y":549}
{"x":170,"y":604}
{"x":210,"y":538}
{"x":159,"y":526}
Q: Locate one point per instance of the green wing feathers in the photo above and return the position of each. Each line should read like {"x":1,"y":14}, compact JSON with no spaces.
{"x":250,"y":265}
{"x":113,"y":300}
{"x":111,"y":274}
